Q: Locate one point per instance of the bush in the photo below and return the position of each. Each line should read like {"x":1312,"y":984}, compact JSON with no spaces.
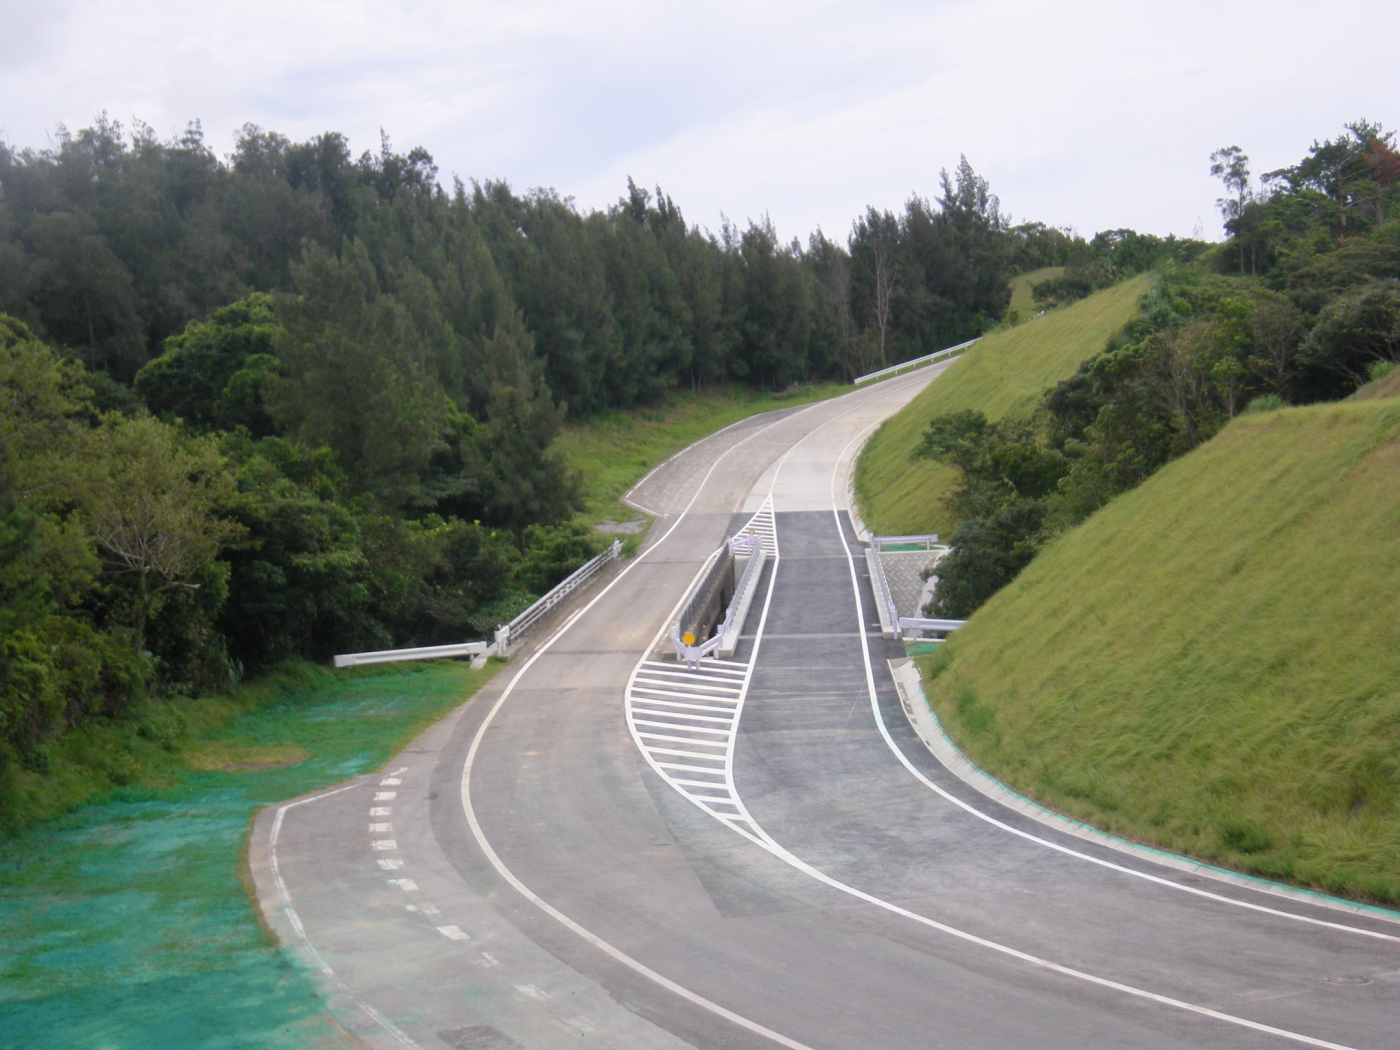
{"x":987,"y":554}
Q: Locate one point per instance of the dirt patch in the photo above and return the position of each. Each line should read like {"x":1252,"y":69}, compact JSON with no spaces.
{"x":234,"y":758}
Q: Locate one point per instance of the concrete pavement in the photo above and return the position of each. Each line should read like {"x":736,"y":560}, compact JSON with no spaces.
{"x":563,"y":892}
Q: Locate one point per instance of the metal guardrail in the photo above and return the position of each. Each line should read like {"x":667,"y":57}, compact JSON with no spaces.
{"x":918,"y":624}
{"x":524,"y":623}
{"x":881,"y":542}
{"x":700,"y":607}
{"x":915,"y":363}
{"x":506,"y":635}
{"x":738,"y":609}
{"x":892,"y":625}
{"x":689,"y":627}
{"x":429,"y":652}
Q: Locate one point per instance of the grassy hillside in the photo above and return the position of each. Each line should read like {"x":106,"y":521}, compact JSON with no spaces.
{"x":614,"y":450}
{"x":1004,"y":374}
{"x":1021,"y":300}
{"x":1212,"y":662}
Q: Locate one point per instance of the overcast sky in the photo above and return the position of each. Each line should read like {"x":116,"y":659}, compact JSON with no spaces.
{"x":1085,"y":114}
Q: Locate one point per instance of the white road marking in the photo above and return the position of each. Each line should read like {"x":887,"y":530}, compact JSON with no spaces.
{"x":391,"y":863}
{"x":755,"y":832}
{"x":532,"y":991}
{"x":1058,"y":847}
{"x":381,"y":827}
{"x":379,"y":811}
{"x":487,"y":960}
{"x":510,"y":876}
{"x":453,"y":933}
{"x":407,"y":885}
{"x":292,"y":917}
{"x":384,"y":844}
{"x":686,"y":707}
{"x":385,"y":796}
{"x":390,"y":781}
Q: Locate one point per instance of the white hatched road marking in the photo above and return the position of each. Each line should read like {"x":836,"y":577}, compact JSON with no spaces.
{"x":743,"y":822}
{"x":714,"y":682}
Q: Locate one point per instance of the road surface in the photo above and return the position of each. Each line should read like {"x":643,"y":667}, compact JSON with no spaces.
{"x":604,"y":850}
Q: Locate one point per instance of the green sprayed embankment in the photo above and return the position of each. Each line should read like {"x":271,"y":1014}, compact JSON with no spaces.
{"x":125,"y":923}
{"x":1211,"y":663}
{"x":1004,"y":375}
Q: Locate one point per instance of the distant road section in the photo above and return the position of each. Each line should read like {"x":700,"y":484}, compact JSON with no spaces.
{"x":536,"y":872}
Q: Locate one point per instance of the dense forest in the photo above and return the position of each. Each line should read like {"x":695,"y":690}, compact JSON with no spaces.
{"x":291,"y":402}
{"x":1300,"y":304}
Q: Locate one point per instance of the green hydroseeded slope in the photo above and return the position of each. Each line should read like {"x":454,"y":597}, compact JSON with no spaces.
{"x":1212,"y":662}
{"x":124,"y":924}
{"x":1004,"y":374}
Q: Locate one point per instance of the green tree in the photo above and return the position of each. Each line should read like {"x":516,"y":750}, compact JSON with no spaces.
{"x":358,"y":377}
{"x":213,"y":375}
{"x":150,"y":498}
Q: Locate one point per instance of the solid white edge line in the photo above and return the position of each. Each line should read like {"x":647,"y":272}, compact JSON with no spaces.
{"x":1069,"y":851}
{"x":510,"y":876}
{"x":1104,"y":982}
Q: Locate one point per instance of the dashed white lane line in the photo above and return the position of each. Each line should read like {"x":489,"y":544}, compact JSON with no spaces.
{"x":385,"y":796}
{"x":379,"y":811}
{"x":385,"y":844}
{"x":390,"y":863}
{"x":453,"y":933}
{"x":295,"y":920}
{"x":380,"y":828}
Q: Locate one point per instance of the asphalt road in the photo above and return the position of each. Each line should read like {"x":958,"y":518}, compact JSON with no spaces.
{"x":550,"y":867}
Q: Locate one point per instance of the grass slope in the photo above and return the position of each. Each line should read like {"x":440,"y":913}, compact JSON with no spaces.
{"x":125,"y":924}
{"x":614,"y":450}
{"x":1212,"y":662}
{"x":1005,"y":374}
{"x":1021,"y":285}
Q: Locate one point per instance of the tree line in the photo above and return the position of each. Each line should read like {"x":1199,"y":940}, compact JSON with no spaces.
{"x":292,"y":402}
{"x":1300,"y":304}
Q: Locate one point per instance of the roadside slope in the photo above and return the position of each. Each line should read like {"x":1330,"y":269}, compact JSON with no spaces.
{"x":1004,"y":374}
{"x":1211,"y":663}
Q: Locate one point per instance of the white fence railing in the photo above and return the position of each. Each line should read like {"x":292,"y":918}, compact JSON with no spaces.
{"x":689,"y":627}
{"x":917,"y":362}
{"x":927,"y":542}
{"x":506,"y":635}
{"x":512,"y":632}
{"x":892,"y":625}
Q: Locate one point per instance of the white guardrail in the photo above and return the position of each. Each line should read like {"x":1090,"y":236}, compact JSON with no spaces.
{"x":506,"y":635}
{"x":892,"y":625}
{"x":915,"y":363}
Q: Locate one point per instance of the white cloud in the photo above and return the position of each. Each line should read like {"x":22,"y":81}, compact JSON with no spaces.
{"x":1093,"y":114}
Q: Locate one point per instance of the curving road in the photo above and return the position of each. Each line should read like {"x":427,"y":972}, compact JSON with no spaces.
{"x":604,"y":850}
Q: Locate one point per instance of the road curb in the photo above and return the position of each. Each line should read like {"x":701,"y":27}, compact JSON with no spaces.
{"x":930,"y":730}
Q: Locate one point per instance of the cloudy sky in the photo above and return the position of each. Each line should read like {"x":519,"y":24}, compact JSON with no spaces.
{"x":1086,"y":114}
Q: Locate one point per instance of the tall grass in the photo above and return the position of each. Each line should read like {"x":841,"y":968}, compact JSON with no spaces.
{"x":1005,"y":374}
{"x":1212,"y":662}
